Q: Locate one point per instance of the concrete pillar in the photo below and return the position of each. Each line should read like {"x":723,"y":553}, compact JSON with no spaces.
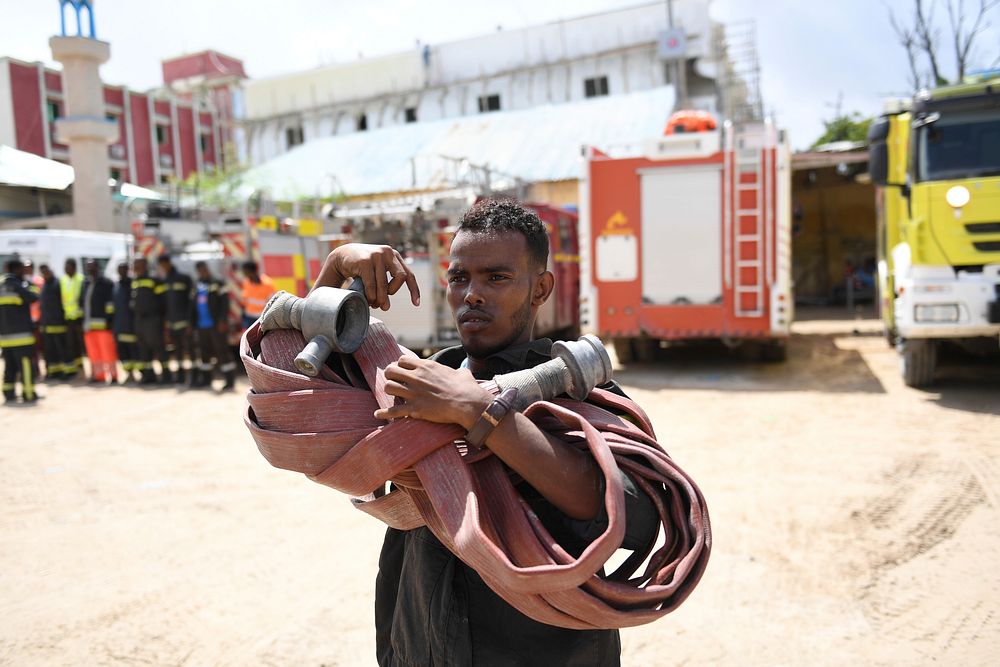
{"x":86,"y":129}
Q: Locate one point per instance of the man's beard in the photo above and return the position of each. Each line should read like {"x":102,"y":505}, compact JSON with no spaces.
{"x":519,"y":322}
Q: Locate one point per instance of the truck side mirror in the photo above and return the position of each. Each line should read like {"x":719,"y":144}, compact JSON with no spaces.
{"x":878,"y":151}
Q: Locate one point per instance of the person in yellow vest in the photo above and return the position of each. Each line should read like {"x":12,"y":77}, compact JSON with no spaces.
{"x":71,"y":287}
{"x":257,"y":289}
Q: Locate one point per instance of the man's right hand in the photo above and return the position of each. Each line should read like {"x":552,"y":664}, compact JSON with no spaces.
{"x":381,"y":269}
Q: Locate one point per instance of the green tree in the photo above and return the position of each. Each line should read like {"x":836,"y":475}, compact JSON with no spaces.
{"x":846,"y":127}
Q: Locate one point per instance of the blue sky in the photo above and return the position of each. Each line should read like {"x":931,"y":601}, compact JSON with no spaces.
{"x":811,"y":50}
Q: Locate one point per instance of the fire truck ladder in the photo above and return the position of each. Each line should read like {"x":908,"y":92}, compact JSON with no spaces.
{"x":749,"y":186}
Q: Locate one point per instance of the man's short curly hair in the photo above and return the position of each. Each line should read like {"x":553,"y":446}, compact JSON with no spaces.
{"x":497,"y":215}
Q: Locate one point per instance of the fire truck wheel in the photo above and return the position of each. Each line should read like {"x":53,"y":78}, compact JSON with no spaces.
{"x":918,"y":357}
{"x":623,"y":350}
{"x":645,"y":349}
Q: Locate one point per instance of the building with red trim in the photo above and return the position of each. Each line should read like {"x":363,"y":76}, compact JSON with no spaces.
{"x":164,"y":134}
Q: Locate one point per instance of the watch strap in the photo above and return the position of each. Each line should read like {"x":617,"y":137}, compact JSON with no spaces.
{"x":491,"y":418}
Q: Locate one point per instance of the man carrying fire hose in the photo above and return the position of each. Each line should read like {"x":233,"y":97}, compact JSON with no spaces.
{"x":430,"y":607}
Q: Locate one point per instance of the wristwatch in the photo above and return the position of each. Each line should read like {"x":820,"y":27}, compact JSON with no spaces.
{"x":491,"y":417}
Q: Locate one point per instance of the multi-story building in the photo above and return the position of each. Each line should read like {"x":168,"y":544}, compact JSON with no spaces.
{"x":611,"y":53}
{"x":163,"y":134}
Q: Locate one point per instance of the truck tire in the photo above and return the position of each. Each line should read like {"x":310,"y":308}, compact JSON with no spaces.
{"x":918,"y":357}
{"x":645,"y":349}
{"x":623,"y":350}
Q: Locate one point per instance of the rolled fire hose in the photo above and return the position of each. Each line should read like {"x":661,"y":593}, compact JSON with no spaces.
{"x":323,"y":427}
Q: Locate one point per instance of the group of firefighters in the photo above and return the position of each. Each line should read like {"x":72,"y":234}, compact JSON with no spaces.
{"x":168,"y":317}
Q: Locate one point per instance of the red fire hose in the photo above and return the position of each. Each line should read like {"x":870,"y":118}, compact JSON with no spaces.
{"x":324,"y":427}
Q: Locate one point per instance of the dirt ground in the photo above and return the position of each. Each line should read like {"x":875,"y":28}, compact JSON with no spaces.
{"x":856,"y":521}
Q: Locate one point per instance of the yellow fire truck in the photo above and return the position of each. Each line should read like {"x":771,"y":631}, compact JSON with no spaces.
{"x":937,"y":164}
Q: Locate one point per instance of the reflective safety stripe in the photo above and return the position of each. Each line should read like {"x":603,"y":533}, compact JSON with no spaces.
{"x":27,"y":382}
{"x":202,"y":366}
{"x":127,"y":338}
{"x":213,"y":288}
{"x":225,"y":368}
{"x":110,"y":308}
{"x":160,"y":289}
{"x":14,"y":300}
{"x":183,"y":324}
{"x":8,"y":386}
{"x":54,"y":329}
{"x":95,"y":325}
{"x":17,"y":340}
{"x":178,"y":286}
{"x":148,"y":283}
{"x":54,"y":368}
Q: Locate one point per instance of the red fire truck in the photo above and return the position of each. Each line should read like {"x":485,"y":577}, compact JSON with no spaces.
{"x":688,"y":237}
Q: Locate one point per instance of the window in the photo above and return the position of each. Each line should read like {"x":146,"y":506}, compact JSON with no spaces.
{"x":293,"y":136}
{"x":161,"y":135}
{"x":116,"y":174}
{"x":53,"y":111}
{"x":361,"y":124}
{"x":204,"y":143}
{"x":411,"y":114}
{"x":489,"y":103}
{"x":595,"y":87}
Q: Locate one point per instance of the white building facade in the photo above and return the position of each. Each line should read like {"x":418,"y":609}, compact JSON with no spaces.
{"x":607,"y":54}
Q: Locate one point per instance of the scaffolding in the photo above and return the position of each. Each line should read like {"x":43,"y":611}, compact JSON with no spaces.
{"x":739,"y":72}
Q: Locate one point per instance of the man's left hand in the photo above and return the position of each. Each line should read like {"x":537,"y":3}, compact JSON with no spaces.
{"x":433,"y":392}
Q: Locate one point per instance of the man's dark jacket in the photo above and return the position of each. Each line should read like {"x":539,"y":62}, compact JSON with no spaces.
{"x":16,"y":297}
{"x":51,"y":303}
{"x":122,"y":300}
{"x":101,"y":306}
{"x":432,"y":609}
{"x":179,"y":298}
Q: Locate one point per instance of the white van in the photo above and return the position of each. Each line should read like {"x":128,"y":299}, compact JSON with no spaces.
{"x":55,"y":246}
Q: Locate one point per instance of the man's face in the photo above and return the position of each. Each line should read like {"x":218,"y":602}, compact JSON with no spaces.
{"x":123,"y":271}
{"x":164,"y":268}
{"x":91,"y":269}
{"x":139,"y":266}
{"x":47,"y":273}
{"x":70,"y":268}
{"x":494,"y":291}
{"x":203,"y":273}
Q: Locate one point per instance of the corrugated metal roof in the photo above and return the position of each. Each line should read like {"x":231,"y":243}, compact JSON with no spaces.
{"x":538,"y":144}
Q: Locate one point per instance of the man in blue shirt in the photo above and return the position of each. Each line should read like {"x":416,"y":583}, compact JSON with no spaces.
{"x":211,"y":309}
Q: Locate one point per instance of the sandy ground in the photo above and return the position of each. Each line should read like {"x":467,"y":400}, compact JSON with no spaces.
{"x":855,"y":521}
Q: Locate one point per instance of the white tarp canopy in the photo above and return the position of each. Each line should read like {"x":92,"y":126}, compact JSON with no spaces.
{"x":538,"y":144}
{"x":27,"y":170}
{"x":23,"y":169}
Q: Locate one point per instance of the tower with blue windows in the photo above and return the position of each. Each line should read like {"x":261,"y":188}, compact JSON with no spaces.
{"x":83,"y":8}
{"x":85,"y":128}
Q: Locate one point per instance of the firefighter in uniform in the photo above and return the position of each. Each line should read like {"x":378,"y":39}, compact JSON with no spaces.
{"x":179,"y":304}
{"x":55,"y":335}
{"x":71,"y":285}
{"x":98,"y":310}
{"x":17,"y":340}
{"x":211,"y":310}
{"x":147,"y":309}
{"x":124,"y":324}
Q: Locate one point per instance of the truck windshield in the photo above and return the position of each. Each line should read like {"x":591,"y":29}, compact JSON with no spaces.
{"x":960,"y":145}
